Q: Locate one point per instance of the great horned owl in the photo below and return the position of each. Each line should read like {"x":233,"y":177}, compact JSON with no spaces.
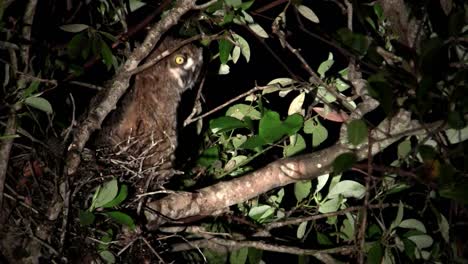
{"x":143,"y":130}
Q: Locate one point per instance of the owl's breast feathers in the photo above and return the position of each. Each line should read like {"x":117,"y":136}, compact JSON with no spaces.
{"x":143,"y":128}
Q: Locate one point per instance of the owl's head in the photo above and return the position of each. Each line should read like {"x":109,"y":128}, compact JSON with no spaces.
{"x":182,"y":66}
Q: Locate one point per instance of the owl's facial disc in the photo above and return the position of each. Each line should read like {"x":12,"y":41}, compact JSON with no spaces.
{"x":185,"y":69}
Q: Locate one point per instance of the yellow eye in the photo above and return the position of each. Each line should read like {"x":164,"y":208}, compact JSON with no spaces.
{"x":179,"y":59}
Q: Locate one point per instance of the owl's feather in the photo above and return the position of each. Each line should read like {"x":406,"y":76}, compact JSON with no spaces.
{"x":144,"y":128}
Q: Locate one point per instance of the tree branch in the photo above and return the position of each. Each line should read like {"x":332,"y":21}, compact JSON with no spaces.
{"x":213,"y":199}
{"x":5,"y":147}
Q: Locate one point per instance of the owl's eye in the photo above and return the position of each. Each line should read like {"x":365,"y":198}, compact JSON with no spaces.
{"x":179,"y":59}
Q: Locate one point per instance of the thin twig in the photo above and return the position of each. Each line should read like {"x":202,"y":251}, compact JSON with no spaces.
{"x":314,"y":75}
{"x":5,"y":148}
{"x":205,"y":5}
{"x":88,"y":85}
{"x":232,"y":245}
{"x":21,"y":203}
{"x":161,"y":260}
{"x":361,"y":235}
{"x":27,"y":76}
{"x":8,"y":45}
{"x":168,"y":52}
{"x":27,"y":22}
{"x":251,"y":91}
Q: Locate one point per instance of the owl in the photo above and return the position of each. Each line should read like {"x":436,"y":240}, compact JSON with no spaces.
{"x":141,"y":134}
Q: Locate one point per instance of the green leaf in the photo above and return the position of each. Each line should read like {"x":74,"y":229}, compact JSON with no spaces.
{"x":33,"y":87}
{"x":456,"y":192}
{"x":293,"y":124}
{"x":347,"y":230}
{"x":270,"y":127}
{"x":404,"y":149}
{"x":399,"y":216}
{"x":39,"y":103}
{"x":326,"y":65}
{"x":297,"y":144}
{"x":455,"y":120}
{"x":121,"y":218}
{"x":330,"y":205}
{"x":344,"y":162}
{"x":107,"y":256}
{"x":296,"y":104}
{"x":253,"y":142}
{"x":325,"y":95}
{"x":422,"y":241}
{"x":427,"y":152}
{"x":235,"y":54}
{"x":321,"y":181}
{"x":214,"y":257}
{"x":225,"y":48}
{"x":261,"y":212}
{"x":282,"y":82}
{"x":323,"y":239}
{"x":378,"y":11}
{"x":106,"y":194}
{"x":357,"y":132}
{"x":76,"y":44}
{"x":374,"y":231}
{"x":255,"y":255}
{"x":239,"y":256}
{"x":74,"y":28}
{"x":106,"y":238}
{"x":238,"y":140}
{"x":233,"y":3}
{"x":302,"y":189}
{"x":349,"y":189}
{"x":380,"y":89}
{"x":444,"y":228}
{"x":301,"y":229}
{"x":413,"y":224}
{"x":106,"y":54}
{"x":308,"y":13}
{"x":341,"y":85}
{"x":223,"y":69}
{"x":375,"y":254}
{"x":246,"y":5}
{"x":398,"y":188}
{"x":409,"y":248}
{"x":240,"y":111}
{"x":248,"y":18}
{"x":258,"y":30}
{"x":109,"y":36}
{"x":225,"y":123}
{"x":276,"y":199}
{"x":86,"y":218}
{"x":123,"y":192}
{"x":85,"y":48}
{"x":455,"y":136}
{"x":243,"y":45}
{"x":208,"y":156}
{"x":318,"y":131}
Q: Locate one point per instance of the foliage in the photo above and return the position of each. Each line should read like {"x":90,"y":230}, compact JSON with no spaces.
{"x":397,"y":203}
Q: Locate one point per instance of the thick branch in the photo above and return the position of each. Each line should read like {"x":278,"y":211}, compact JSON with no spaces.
{"x":221,"y":244}
{"x":212,"y":199}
